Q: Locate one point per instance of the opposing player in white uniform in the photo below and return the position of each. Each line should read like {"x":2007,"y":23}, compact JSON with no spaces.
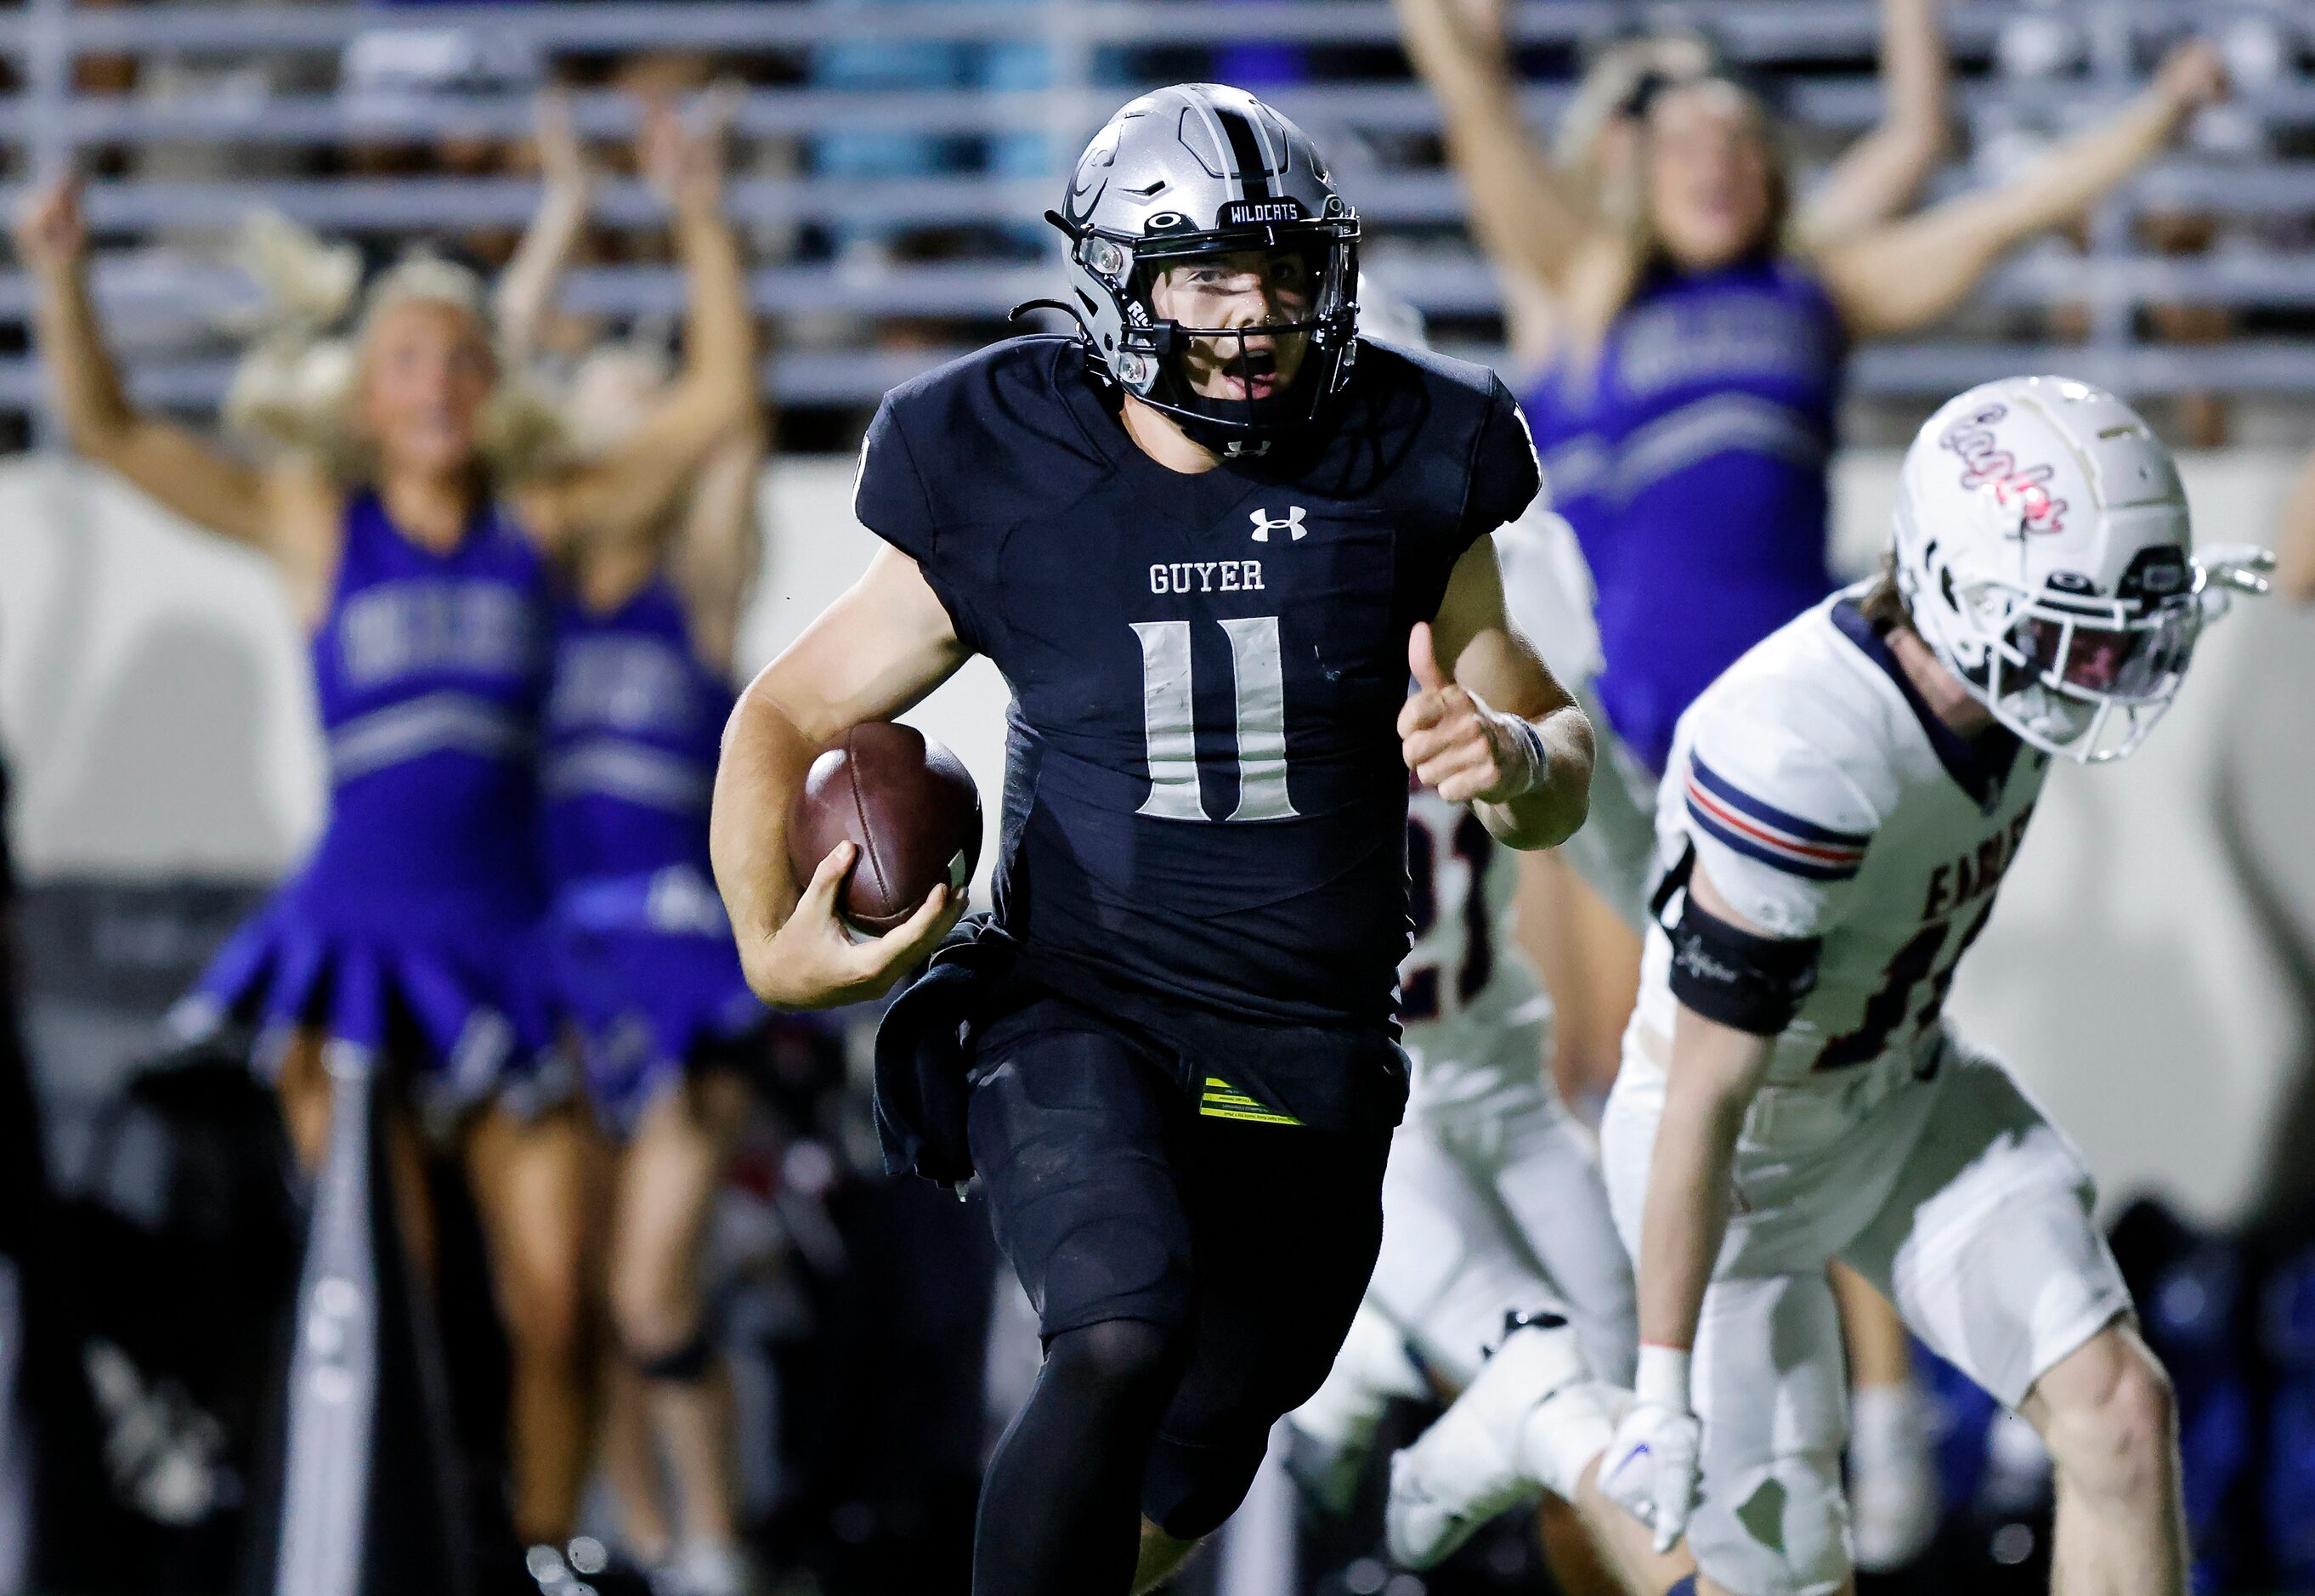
{"x":1492,"y":1204}
{"x":1837,"y":814}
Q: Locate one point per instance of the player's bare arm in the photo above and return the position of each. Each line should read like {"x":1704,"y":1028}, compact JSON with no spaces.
{"x":1737,"y":986}
{"x":1487,"y":724}
{"x":1716,"y":1070}
{"x":876,"y":650}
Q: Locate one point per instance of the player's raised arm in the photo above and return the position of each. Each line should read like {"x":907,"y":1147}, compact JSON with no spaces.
{"x":880,"y":647}
{"x":1906,"y":275}
{"x":1487,"y":724}
{"x":1737,"y":987}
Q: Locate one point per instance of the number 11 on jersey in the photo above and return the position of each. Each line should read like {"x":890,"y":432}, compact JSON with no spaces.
{"x":1169,"y":719}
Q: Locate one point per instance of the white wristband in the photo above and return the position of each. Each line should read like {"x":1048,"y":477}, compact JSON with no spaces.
{"x":1662,"y":1377}
{"x":1531,"y":754}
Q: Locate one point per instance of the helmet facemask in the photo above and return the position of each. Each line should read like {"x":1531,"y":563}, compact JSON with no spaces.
{"x":1234,"y":388}
{"x":2076,"y":674}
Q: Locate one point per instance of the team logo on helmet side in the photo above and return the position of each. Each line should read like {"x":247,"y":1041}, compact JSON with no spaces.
{"x":1986,"y":464}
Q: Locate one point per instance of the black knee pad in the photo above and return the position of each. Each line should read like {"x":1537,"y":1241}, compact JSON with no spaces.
{"x":686,"y":1364}
{"x":1189,"y":1490}
{"x":1116,"y":1360}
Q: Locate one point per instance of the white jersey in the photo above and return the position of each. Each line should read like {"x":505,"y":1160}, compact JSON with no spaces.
{"x":1548,"y":594}
{"x":1825,"y":800}
{"x":1465,"y":979}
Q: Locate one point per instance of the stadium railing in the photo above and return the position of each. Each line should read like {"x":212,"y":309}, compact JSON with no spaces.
{"x":1818,"y":52}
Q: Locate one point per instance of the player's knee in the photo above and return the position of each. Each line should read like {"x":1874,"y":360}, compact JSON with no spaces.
{"x":1190,"y":1490}
{"x":651,"y":1312}
{"x":2114,"y":1437}
{"x":1119,"y":1364}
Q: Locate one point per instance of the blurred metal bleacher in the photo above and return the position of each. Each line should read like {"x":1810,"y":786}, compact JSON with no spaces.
{"x":2256,"y":187}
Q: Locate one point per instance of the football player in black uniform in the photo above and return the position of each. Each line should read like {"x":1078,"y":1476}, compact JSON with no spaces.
{"x":1206,"y":541}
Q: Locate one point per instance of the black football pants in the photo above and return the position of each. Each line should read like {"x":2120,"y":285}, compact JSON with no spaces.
{"x":1193,"y":1277}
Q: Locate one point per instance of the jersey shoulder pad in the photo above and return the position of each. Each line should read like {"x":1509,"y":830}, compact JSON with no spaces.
{"x":984,"y":409}
{"x":1440,"y":439}
{"x":978,"y":440}
{"x":1445,"y":379}
{"x":967,"y":449}
{"x":1778,"y":789}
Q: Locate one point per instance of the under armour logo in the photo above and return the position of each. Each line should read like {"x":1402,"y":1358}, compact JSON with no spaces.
{"x":1291,"y":521}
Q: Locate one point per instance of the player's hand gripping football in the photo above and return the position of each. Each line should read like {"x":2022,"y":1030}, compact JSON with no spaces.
{"x":1650,"y":1469}
{"x":1456,"y":744}
{"x":814,"y":961}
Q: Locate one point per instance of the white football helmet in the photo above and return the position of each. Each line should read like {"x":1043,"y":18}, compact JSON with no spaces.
{"x":2044,"y":551}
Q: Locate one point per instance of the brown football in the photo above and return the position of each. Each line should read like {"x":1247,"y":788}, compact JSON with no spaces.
{"x":905,"y":803}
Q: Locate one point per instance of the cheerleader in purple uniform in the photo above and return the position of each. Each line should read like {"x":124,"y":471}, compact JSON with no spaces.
{"x":415,"y":520}
{"x":648,"y":978}
{"x":1700,"y":321}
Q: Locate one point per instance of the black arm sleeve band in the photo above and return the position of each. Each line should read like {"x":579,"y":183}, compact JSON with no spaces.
{"x":1746,"y":981}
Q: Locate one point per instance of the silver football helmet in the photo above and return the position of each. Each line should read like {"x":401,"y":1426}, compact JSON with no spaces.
{"x":1194,"y":172}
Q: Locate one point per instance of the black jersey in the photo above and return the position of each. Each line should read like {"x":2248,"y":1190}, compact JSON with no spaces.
{"x":1204,"y":799}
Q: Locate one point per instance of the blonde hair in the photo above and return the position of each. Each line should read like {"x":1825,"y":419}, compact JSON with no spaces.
{"x":293,"y":391}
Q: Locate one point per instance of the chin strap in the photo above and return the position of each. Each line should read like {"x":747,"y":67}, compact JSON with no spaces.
{"x":1063,"y":305}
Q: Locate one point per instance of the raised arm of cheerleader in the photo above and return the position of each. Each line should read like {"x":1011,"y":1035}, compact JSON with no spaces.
{"x":525,"y":291}
{"x":1910,"y":273}
{"x":721,"y":543}
{"x":1877,"y":177}
{"x":1529,"y":216}
{"x":200,"y":482}
{"x":627,"y":494}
